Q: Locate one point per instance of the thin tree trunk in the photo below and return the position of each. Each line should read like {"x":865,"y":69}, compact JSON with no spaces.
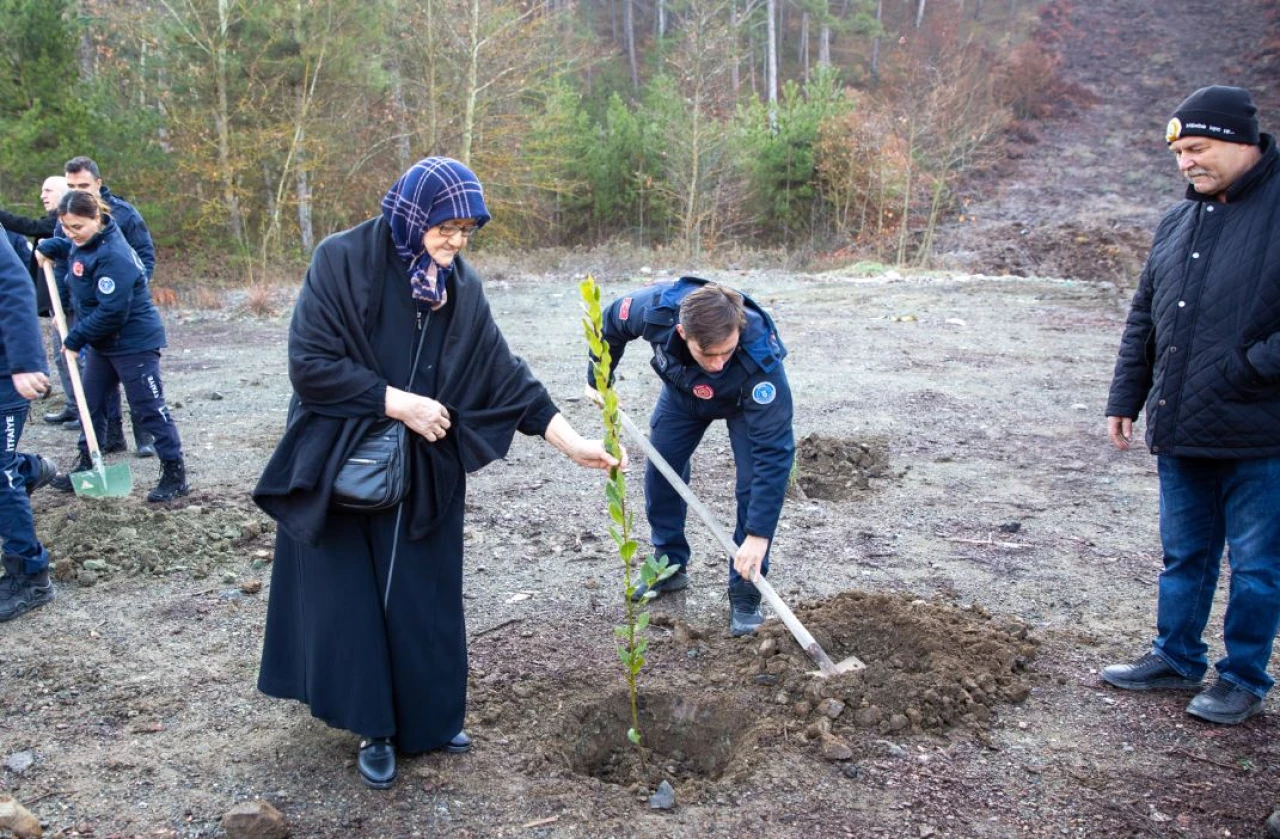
{"x":629,"y":27}
{"x":772,"y":75}
{"x":735,"y":80}
{"x":875,"y":45}
{"x":920,"y":13}
{"x":222,"y":126}
{"x":804,"y":44}
{"x":473,"y":87}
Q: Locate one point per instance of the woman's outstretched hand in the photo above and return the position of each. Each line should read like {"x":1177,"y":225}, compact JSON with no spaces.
{"x":589,"y":453}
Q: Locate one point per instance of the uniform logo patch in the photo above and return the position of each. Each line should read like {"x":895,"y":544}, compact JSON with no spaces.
{"x":77,"y":268}
{"x":106,"y":285}
{"x":624,"y":311}
{"x":1173,"y":130}
{"x":764,"y":393}
{"x":703,"y":391}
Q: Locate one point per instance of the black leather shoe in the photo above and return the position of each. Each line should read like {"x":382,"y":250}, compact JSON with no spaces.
{"x":1225,"y":703}
{"x":460,"y":744}
{"x":67,"y":414}
{"x":676,"y":582}
{"x":1151,"y":672}
{"x":377,"y":763}
{"x":72,"y":424}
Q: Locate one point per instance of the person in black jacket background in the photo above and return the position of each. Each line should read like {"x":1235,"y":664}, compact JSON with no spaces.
{"x":1201,"y":348}
{"x":44,"y":227}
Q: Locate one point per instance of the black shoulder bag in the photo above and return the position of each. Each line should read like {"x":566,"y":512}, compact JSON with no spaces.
{"x":375,"y":476}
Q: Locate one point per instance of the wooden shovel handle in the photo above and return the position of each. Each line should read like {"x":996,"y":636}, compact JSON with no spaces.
{"x":73,"y":366}
{"x":802,"y":635}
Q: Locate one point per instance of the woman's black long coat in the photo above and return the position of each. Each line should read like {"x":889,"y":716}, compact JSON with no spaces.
{"x":383,"y":658}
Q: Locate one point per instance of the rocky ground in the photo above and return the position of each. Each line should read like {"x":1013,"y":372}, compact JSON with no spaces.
{"x":959,"y":524}
{"x":984,"y":555}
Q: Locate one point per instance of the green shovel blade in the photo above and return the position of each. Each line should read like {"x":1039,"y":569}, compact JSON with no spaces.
{"x":111,"y":482}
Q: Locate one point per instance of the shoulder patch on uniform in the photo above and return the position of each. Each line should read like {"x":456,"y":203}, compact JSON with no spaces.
{"x":703,"y":391}
{"x":77,"y":268}
{"x":624,"y":311}
{"x":764,"y":393}
{"x":106,"y":285}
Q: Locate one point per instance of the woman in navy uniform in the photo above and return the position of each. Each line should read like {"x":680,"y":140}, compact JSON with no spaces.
{"x":119,"y":325}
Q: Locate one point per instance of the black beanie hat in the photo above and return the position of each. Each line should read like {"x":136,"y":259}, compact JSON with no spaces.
{"x":1220,"y":112}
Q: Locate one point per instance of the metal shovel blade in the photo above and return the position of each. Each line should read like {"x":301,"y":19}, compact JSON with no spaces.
{"x":103,"y":481}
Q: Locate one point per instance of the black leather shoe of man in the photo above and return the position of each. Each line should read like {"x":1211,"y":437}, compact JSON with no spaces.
{"x":1151,"y":672}
{"x":377,"y":763}
{"x":1225,"y":703}
{"x":67,"y":414}
{"x":72,"y":424}
{"x":676,"y":582}
{"x":460,"y":744}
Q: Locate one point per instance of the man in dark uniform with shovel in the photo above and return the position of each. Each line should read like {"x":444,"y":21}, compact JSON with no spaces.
{"x":25,"y":584}
{"x":719,"y":357}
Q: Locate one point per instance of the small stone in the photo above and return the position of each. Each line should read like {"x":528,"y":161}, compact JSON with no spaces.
{"x":802,"y":708}
{"x":87,"y":578}
{"x":766,"y":679}
{"x":851,"y":771}
{"x":768,"y":647}
{"x":831,"y":708}
{"x":254,"y":820}
{"x":20,"y":762}
{"x":1273,"y":825}
{"x":833,"y":748}
{"x":664,"y":798}
{"x":251,"y":586}
{"x":868,"y":717}
{"x":95,"y":565}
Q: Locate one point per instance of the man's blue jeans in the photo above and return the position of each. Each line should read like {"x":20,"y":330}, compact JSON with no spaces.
{"x":1205,"y":504}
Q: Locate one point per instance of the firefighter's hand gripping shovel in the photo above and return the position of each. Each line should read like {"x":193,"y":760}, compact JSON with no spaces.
{"x":803,"y":638}
{"x":102,"y":481}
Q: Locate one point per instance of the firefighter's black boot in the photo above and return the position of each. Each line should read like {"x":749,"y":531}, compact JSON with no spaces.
{"x":144,"y":443}
{"x":62,"y":483}
{"x":173,"y":481}
{"x":21,"y":592}
{"x":115,"y":438}
{"x":744,"y":601}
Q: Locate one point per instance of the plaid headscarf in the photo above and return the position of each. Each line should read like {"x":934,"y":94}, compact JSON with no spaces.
{"x":433,"y":191}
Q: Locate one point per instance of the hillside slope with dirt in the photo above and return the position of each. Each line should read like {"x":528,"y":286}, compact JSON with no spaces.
{"x":1083,"y":190}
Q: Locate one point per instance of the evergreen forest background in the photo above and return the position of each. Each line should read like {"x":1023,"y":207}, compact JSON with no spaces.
{"x":253,"y":128}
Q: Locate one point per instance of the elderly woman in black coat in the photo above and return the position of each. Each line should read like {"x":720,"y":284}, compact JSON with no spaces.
{"x":365,"y":621}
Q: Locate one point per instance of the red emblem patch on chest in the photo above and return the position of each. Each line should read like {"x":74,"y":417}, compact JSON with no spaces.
{"x":703,"y":391}
{"x":77,"y":268}
{"x":624,"y":311}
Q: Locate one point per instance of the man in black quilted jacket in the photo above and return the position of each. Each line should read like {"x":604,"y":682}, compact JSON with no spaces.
{"x":1201,"y":349}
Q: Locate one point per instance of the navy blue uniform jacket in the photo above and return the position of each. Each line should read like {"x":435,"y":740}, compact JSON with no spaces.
{"x":1201,"y":345}
{"x":21,"y":349}
{"x":110,"y":293}
{"x":752,"y":383}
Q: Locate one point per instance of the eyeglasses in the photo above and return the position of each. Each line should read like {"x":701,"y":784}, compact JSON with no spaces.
{"x":448,"y":230}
